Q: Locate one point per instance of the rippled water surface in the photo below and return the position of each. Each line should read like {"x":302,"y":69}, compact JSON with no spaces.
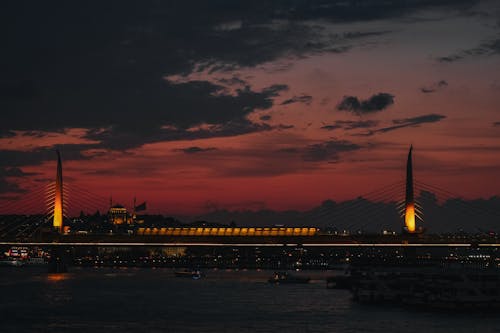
{"x":153,"y":300}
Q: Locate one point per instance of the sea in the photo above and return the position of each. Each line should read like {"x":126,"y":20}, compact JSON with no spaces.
{"x":154,"y":300}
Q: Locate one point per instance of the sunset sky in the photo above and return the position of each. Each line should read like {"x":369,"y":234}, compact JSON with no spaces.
{"x":191,"y":105}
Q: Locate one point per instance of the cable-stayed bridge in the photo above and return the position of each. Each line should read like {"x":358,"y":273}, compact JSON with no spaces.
{"x":393,"y":208}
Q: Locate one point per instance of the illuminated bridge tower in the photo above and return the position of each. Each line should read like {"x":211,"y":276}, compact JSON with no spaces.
{"x":58,"y":198}
{"x":409,"y":213}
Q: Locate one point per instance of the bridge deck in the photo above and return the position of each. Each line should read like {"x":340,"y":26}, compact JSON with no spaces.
{"x":312,"y":241}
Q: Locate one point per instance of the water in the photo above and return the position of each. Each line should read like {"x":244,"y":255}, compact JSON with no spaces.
{"x":153,"y":300}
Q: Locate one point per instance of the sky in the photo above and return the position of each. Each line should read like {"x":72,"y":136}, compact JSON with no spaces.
{"x":248,"y":105}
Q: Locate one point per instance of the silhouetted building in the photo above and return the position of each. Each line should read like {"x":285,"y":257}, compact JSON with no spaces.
{"x":118,"y":214}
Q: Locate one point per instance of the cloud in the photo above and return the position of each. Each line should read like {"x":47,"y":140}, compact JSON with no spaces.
{"x":407,"y":122}
{"x":289,"y":150}
{"x":195,"y":103}
{"x":15,"y":172}
{"x":104,"y":69}
{"x":265,"y":117}
{"x":306,"y":99}
{"x":331,"y":127}
{"x":328,"y":151}
{"x":488,"y":48}
{"x":429,"y":118}
{"x":7,"y":185}
{"x":130,"y":51}
{"x":17,"y":158}
{"x":232,"y":81}
{"x":496,"y":123}
{"x":434,"y":87}
{"x":350,"y":124}
{"x":375,"y":103}
{"x":195,"y":150}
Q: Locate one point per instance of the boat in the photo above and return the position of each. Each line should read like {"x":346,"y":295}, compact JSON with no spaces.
{"x":193,"y":274}
{"x":285,"y":277}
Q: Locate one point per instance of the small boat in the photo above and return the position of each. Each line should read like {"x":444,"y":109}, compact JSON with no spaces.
{"x":193,"y":274}
{"x":285,"y":277}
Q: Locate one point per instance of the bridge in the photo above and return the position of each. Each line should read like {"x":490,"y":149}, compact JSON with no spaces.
{"x":52,"y":227}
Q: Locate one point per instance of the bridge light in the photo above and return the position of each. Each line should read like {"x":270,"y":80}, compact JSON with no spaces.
{"x":410,"y":217}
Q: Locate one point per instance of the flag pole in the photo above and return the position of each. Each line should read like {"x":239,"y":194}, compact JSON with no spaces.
{"x":133,"y":214}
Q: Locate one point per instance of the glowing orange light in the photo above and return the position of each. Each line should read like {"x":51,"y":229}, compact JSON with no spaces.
{"x":57,"y":277}
{"x":410,"y":217}
{"x":58,"y":200}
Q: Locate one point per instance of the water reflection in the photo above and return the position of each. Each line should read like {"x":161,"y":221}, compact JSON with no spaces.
{"x":57,"y":291}
{"x":55,"y":277}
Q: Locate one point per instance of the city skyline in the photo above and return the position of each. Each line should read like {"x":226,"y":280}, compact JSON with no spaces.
{"x":268,"y":107}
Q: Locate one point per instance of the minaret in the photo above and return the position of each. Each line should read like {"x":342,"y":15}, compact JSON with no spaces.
{"x":58,"y":199}
{"x":409,"y":199}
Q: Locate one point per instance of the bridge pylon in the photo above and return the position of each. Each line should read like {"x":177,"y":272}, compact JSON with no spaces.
{"x":58,"y":198}
{"x":410,"y":206}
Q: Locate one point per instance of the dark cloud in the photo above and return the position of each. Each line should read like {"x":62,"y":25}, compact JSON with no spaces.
{"x":284,"y":127}
{"x":290,"y":150}
{"x":121,"y":139}
{"x":7,"y":134}
{"x":37,"y":134}
{"x":232,"y":81}
{"x":434,"y":87}
{"x":429,"y":118}
{"x":265,"y":117}
{"x":496,"y":123}
{"x":450,"y":58}
{"x":329,"y":150}
{"x":12,"y":159}
{"x":102,"y":66}
{"x":7,"y":186}
{"x":407,"y":122}
{"x":195,"y":150}
{"x":350,"y":124}
{"x":488,"y":48}
{"x":331,"y":127}
{"x":375,"y":103}
{"x":15,"y":172}
{"x":361,"y":34}
{"x":306,"y":99}
{"x":6,"y":183}
{"x":195,"y":103}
